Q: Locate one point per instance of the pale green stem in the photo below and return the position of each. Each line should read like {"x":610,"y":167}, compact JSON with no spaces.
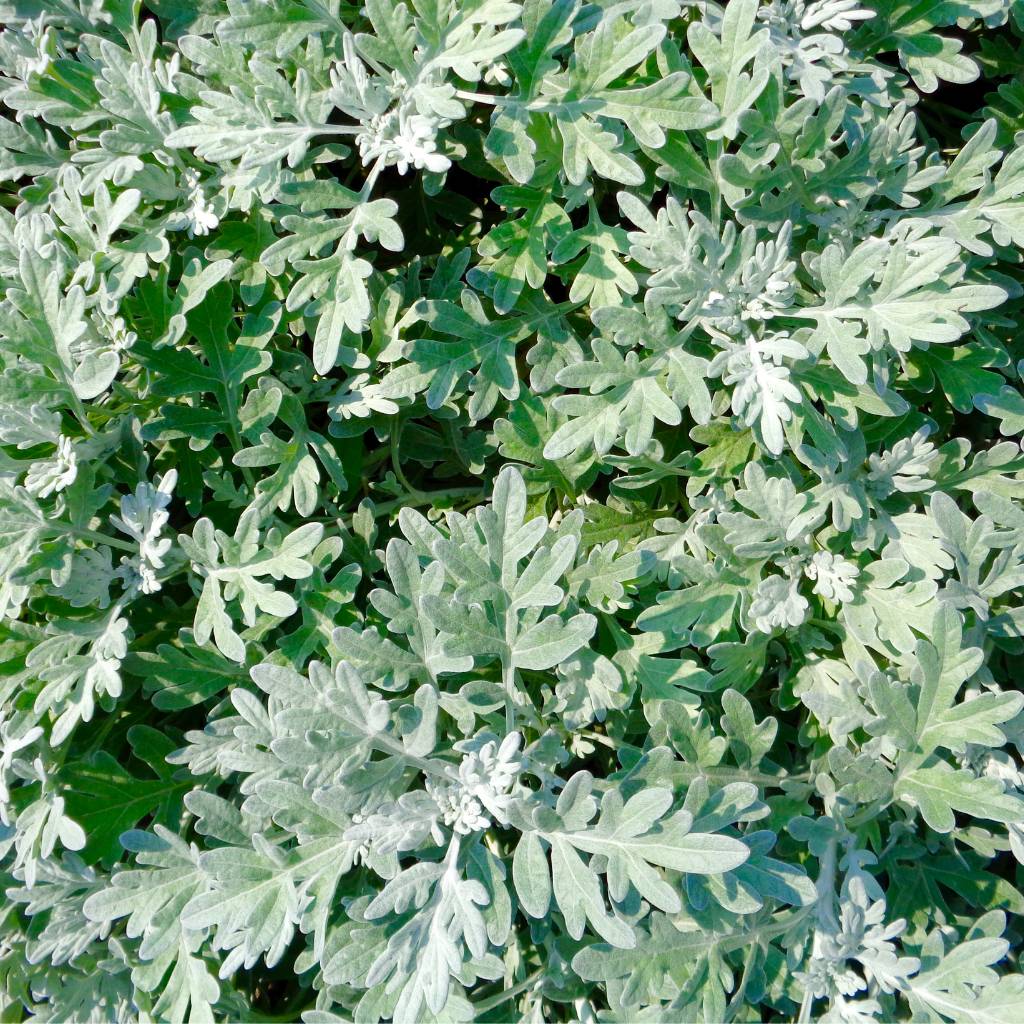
{"x":826,"y":917}
{"x":510,"y":993}
{"x":95,"y":535}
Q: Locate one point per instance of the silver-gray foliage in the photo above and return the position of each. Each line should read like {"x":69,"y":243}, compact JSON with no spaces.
{"x":511,"y":510}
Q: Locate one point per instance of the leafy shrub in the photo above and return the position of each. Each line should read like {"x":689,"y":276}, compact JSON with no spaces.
{"x":511,"y":510}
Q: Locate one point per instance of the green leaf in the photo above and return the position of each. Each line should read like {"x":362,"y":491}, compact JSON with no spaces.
{"x":107,"y":800}
{"x":519,"y":248}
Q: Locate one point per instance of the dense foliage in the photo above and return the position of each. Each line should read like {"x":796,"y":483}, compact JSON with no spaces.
{"x":511,"y":510}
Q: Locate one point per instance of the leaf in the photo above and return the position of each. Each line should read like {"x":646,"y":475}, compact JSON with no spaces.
{"x":963,"y":985}
{"x":107,"y":800}
{"x":530,"y":875}
{"x":939,"y":791}
{"x":595,"y":581}
{"x":151,"y":897}
{"x":930,"y":57}
{"x":749,"y":739}
{"x":551,"y":641}
{"x":600,"y":580}
{"x":222,"y":371}
{"x":602,"y":278}
{"x":666,"y":952}
{"x":911,"y":305}
{"x":940,"y":672}
{"x":520,"y":247}
{"x":234,"y":126}
{"x":733,"y":89}
{"x":698,"y":614}
{"x":393,"y":38}
{"x":626,"y":398}
{"x":252,"y":905}
{"x":182,"y":677}
{"x":522,"y":435}
{"x":354,"y":711}
{"x":486,"y":350}
{"x":232,"y":567}
{"x":497,"y":604}
{"x":980,"y":888}
{"x":630,"y":840}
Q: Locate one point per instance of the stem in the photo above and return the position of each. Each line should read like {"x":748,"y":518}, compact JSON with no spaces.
{"x":737,"y":997}
{"x":103,"y":731}
{"x":831,"y":626}
{"x":724,"y":775}
{"x":427,"y":498}
{"x":508,"y":681}
{"x":825,"y":889}
{"x":178,"y":571}
{"x":873,"y":810}
{"x":388,"y":745}
{"x":336,"y":129}
{"x":483,"y":97}
{"x":508,"y":669}
{"x":510,"y":993}
{"x":451,"y":858}
{"x":449,"y":433}
{"x":79,"y":412}
{"x":396,"y":461}
{"x":599,"y":737}
{"x":715,"y":150}
{"x":99,"y":538}
{"x":230,"y":408}
{"x":414,"y":495}
{"x":795,"y":180}
{"x":757,"y":364}
{"x":371,"y":179}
